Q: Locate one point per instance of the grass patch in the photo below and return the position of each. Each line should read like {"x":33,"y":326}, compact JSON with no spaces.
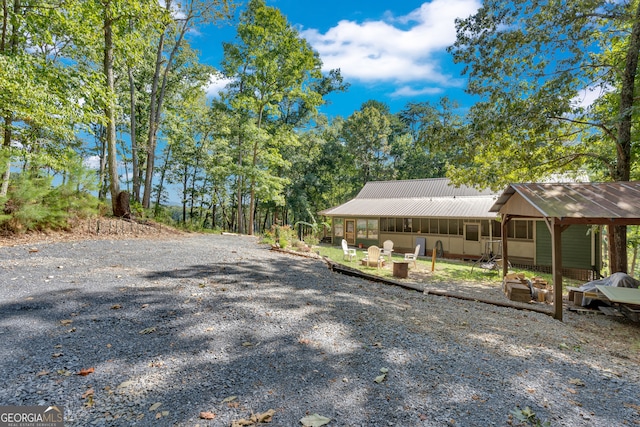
{"x":446,"y":270}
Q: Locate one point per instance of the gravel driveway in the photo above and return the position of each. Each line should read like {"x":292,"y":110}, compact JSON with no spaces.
{"x":167,"y":329}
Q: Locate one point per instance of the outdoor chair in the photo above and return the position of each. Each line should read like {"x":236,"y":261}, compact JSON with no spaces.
{"x":373,"y":257}
{"x":413,"y":257}
{"x":387,"y":249}
{"x":347,"y":252}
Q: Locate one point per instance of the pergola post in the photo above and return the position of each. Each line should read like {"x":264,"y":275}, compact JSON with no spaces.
{"x":556,"y":269}
{"x":505,"y":253}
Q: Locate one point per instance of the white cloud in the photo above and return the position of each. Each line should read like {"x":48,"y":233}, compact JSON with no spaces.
{"x":217,"y":84}
{"x":408,"y":91}
{"x":397,"y":49}
{"x":589,"y":95}
{"x":92,"y":162}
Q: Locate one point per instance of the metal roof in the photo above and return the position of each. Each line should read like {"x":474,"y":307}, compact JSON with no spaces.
{"x":595,"y":203}
{"x":417,"y":188}
{"x":417,"y":198}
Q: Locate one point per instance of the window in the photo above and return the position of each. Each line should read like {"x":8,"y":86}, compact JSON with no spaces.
{"x":361,"y":229}
{"x":372,"y":229}
{"x":473,"y":231}
{"x":424,"y":225}
{"x":455,"y":227}
{"x":484,"y":228}
{"x":407,"y":225}
{"x":520,"y":229}
{"x":338,"y":227}
{"x":443,"y":226}
{"x":433,"y":226}
{"x":497,"y":229}
{"x":399,"y":225}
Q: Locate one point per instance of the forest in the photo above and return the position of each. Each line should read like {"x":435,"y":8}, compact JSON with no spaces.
{"x":117,"y":82}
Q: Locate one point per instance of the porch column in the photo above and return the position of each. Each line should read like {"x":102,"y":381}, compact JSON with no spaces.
{"x":505,"y":253}
{"x":556,"y":263}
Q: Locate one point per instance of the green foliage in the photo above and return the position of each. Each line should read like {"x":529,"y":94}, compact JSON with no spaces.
{"x":533,"y":63}
{"x":527,"y":417}
{"x":32,"y":203}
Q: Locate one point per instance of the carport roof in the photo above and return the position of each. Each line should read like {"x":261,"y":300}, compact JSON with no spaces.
{"x":615,"y":203}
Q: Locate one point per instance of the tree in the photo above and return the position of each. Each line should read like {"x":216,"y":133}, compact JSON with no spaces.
{"x":40,"y":96}
{"x":191,"y":13}
{"x":531,"y":61}
{"x":366,"y":133}
{"x":269,"y":64}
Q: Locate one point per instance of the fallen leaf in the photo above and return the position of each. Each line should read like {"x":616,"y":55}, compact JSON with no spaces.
{"x":242,"y":423}
{"x":66,"y":322}
{"x":155,"y":406}
{"x":576,"y":381}
{"x":380,"y":378}
{"x":57,"y":354}
{"x":63,"y":372}
{"x":207,"y":415}
{"x":147,"y":330}
{"x":265,"y":417}
{"x":33,"y":250}
{"x":144,"y":306}
{"x":42,"y":373}
{"x":423,"y":417}
{"x":116,"y":307}
{"x":88,"y":393}
{"x":315,"y":420}
{"x":229,"y":399}
{"x":85,"y":372}
{"x":246,"y":344}
{"x":126,"y":384}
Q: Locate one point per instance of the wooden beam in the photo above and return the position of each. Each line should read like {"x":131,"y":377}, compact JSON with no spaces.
{"x":556,"y":262}
{"x":505,"y":252}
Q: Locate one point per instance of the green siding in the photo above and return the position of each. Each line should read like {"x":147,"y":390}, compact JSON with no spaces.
{"x":576,"y":246}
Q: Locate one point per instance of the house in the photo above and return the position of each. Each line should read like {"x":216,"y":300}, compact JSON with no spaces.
{"x":455,"y":221}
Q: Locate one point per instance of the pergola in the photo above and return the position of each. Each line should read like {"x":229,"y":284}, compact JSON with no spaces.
{"x":562,"y":205}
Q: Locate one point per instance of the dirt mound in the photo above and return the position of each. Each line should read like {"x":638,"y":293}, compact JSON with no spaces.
{"x":94,"y":228}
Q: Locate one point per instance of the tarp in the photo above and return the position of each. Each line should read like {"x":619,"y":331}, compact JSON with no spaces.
{"x":621,"y":280}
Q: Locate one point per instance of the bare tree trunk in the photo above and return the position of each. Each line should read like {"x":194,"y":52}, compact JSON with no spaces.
{"x":618,"y":241}
{"x":12,"y":48}
{"x":134,"y":144}
{"x":109,"y":108}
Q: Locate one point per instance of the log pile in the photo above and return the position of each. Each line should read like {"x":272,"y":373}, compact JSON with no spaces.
{"x":518,"y":288}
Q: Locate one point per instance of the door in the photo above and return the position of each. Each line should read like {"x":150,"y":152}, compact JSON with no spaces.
{"x":472,"y":239}
{"x":350,"y":231}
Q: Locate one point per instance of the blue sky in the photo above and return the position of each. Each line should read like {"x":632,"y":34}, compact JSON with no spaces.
{"x":390,"y":51}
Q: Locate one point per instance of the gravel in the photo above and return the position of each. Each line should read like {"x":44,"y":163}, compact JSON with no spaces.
{"x":165,"y":329}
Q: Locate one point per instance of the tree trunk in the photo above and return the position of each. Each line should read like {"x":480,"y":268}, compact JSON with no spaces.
{"x":12,"y":48}
{"x":151,"y":139}
{"x":6,"y":145}
{"x":618,"y":238}
{"x":134,"y":143}
{"x":109,"y":109}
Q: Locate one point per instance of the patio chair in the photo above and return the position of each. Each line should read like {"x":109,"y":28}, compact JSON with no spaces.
{"x":413,"y":257}
{"x":347,"y":252}
{"x":387,"y":249}
{"x":373,"y":257}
